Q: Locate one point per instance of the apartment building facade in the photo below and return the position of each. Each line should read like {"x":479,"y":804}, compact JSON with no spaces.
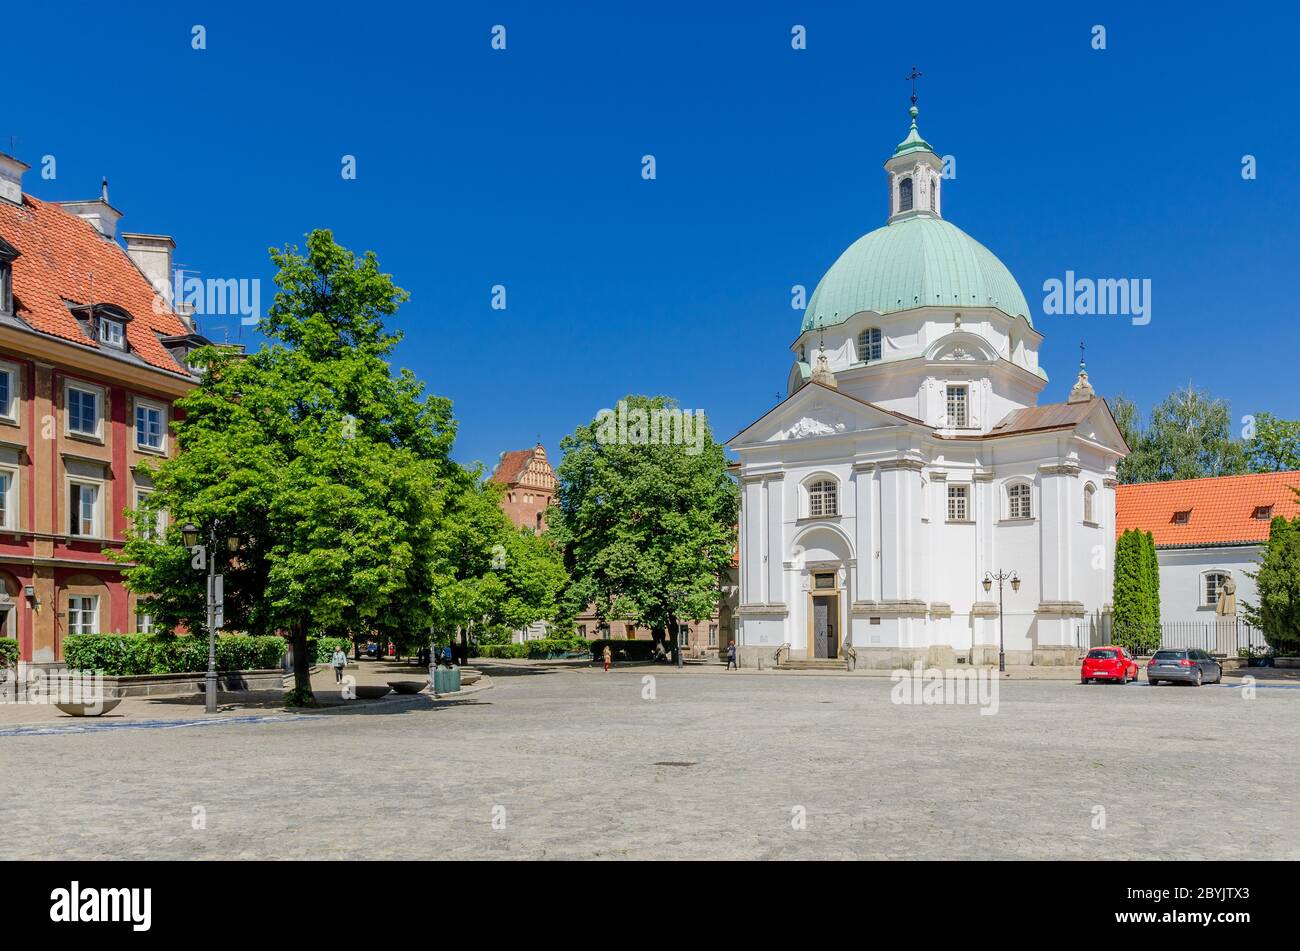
{"x":92,"y":356}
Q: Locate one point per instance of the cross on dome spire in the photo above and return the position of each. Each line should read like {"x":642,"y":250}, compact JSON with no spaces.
{"x":913,"y":77}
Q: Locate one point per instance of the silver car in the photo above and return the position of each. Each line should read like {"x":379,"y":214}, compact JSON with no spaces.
{"x":1188,"y":665}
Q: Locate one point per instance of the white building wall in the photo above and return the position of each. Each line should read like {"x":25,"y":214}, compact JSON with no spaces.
{"x":1182,"y":580}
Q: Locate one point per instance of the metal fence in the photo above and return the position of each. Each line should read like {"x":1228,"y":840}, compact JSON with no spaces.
{"x":1225,"y":636}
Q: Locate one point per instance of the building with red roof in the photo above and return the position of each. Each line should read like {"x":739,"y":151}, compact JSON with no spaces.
{"x":92,"y":356}
{"x":1207,"y":532}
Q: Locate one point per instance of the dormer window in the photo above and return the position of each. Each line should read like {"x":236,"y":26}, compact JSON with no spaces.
{"x":1182,"y":517}
{"x":6,"y":288}
{"x":905,"y":195}
{"x":7,"y":254}
{"x":1263,"y":513}
{"x":112,"y":332}
{"x":869,"y":345}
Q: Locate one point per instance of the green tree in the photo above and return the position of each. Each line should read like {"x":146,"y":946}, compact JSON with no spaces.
{"x":496,"y":575}
{"x":1275,"y":445}
{"x":331,"y":470}
{"x":1189,"y":436}
{"x":1277,"y":588}
{"x":1135,"y":603}
{"x":646,"y":514}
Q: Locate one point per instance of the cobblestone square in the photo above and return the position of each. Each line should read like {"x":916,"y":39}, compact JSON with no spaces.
{"x":577,"y":764}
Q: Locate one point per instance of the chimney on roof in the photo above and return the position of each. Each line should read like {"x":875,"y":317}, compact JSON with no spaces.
{"x":152,"y":254}
{"x":97,"y":211}
{"x":11,"y":179}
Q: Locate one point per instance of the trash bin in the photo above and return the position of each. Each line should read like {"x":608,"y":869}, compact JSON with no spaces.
{"x":446,"y":680}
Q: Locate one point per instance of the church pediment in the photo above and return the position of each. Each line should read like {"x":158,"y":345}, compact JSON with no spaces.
{"x":815,"y":412}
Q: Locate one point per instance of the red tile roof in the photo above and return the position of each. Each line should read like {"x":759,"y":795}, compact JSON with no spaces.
{"x":512,"y":465}
{"x":63,"y":258}
{"x":1222,"y":509}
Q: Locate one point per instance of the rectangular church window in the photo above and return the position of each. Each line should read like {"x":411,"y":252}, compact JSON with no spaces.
{"x":958,"y":509}
{"x":957,"y":415}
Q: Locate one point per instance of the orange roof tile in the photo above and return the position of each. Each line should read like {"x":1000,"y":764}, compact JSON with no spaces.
{"x":511,"y":466}
{"x":1222,"y":509}
{"x":64,"y":259}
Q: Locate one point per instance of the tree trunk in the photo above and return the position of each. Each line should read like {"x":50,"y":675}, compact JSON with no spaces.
{"x":301,"y":662}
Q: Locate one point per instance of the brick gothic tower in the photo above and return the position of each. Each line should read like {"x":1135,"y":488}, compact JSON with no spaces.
{"x":530,"y":486}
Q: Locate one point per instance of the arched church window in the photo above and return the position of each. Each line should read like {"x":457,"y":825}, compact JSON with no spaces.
{"x":905,"y":195}
{"x":869,"y":345}
{"x":822,"y":499}
{"x":1089,"y":502}
{"x":1018,"y":501}
{"x":934,"y":193}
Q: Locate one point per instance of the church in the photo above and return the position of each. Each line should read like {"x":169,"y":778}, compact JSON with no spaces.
{"x":911,"y":465}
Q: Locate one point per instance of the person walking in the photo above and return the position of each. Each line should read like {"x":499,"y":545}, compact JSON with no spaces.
{"x":607,"y":655}
{"x":731,"y":656}
{"x":338,"y":660}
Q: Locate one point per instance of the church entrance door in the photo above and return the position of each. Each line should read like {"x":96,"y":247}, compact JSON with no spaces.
{"x":825,"y":616}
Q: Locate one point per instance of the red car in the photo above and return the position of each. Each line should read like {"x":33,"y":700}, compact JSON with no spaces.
{"x":1108,"y":663}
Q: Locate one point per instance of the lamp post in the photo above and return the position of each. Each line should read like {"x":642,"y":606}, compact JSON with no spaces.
{"x":999,"y":577}
{"x":203,"y":556}
{"x":677,"y":595}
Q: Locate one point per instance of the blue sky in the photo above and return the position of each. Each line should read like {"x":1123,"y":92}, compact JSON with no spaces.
{"x":522,"y":167}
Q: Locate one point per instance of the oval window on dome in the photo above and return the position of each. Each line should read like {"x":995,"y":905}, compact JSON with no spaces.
{"x":905,"y":195}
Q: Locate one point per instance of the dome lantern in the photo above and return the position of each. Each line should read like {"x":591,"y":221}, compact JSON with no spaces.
{"x":914,"y":171}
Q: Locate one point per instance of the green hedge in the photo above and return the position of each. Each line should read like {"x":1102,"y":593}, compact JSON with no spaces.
{"x":536,"y":650}
{"x":120,"y":655}
{"x":8,"y":653}
{"x":322,"y":648}
{"x":623,"y":649}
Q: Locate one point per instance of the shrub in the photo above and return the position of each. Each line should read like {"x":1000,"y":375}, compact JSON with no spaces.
{"x":8,"y":653}
{"x":1136,"y":618}
{"x":623,"y":649}
{"x":537,"y":650}
{"x":322,"y":648}
{"x":1277,"y":587}
{"x":121,"y":655}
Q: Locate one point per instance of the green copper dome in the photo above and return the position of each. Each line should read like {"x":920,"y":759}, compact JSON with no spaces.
{"x":913,"y":262}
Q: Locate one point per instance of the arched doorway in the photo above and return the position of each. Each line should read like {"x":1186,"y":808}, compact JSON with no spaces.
{"x":822,"y":555}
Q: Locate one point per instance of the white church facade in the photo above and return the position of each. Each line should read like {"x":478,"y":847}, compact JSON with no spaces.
{"x":911,"y":458}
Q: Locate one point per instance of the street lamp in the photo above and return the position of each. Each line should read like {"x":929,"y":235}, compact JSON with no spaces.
{"x":203,"y":556}
{"x":677,"y":595}
{"x":999,"y":577}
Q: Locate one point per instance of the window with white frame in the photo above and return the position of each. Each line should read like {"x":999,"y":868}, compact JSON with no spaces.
{"x":83,"y":411}
{"x":958,"y":414}
{"x":958,"y":503}
{"x":1090,"y":503}
{"x":713,"y":635}
{"x":822,"y":499}
{"x":83,"y":614}
{"x":152,"y":529}
{"x":83,"y":509}
{"x":150,"y":426}
{"x":1214,"y":581}
{"x":144,"y":623}
{"x":8,"y":392}
{"x":869,"y":345}
{"x":8,"y":498}
{"x":112,"y":332}
{"x":1018,"y":504}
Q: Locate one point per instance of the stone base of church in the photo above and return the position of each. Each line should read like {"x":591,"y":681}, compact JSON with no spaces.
{"x":901,"y":658}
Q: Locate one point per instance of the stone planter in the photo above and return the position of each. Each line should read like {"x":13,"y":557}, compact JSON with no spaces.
{"x":171,"y":685}
{"x":1288,"y":662}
